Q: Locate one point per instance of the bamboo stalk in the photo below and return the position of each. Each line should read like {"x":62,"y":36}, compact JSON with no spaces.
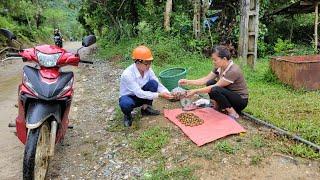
{"x":316,"y":4}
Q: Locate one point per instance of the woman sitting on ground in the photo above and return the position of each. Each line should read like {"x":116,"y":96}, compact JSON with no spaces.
{"x":226,"y":85}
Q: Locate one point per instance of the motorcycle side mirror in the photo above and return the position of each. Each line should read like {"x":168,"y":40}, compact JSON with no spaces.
{"x":8,"y":34}
{"x":88,"y":40}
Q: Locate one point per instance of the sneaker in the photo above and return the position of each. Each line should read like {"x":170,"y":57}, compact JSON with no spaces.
{"x":127,"y":121}
{"x":149,"y":111}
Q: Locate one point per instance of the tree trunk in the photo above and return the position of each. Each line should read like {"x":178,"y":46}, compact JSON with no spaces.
{"x":291,"y":28}
{"x":167,"y":14}
{"x":196,"y":18}
{"x":29,"y":22}
{"x":204,"y":9}
{"x":134,"y":16}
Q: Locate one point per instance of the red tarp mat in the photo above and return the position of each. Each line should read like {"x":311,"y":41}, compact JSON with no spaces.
{"x":216,"y":125}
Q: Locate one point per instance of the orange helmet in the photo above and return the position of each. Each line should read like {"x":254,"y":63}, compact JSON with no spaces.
{"x":142,"y":53}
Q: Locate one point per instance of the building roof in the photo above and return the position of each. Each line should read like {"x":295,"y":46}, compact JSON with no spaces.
{"x":300,"y":7}
{"x":220,"y":4}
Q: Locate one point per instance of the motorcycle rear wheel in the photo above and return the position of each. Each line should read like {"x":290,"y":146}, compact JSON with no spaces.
{"x":36,"y":154}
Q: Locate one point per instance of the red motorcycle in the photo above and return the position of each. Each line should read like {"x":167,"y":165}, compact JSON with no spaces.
{"x":45,"y":96}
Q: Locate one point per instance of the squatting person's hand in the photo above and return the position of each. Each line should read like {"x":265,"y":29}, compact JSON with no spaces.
{"x":166,"y":95}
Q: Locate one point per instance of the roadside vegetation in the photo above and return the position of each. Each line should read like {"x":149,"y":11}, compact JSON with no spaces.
{"x":120,"y":27}
{"x":33,"y":21}
{"x":297,"y":111}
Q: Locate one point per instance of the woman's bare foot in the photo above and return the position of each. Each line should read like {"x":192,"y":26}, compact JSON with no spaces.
{"x":232,"y":113}
{"x":214,"y":104}
{"x":234,"y":116}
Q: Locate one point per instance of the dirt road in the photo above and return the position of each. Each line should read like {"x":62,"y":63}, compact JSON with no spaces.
{"x":11,"y":150}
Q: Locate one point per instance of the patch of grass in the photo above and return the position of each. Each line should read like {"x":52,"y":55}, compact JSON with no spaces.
{"x":87,"y":155}
{"x":102,"y":148}
{"x":226,"y":147}
{"x":203,"y":154}
{"x":90,"y":141}
{"x":257,"y":141}
{"x":151,"y":141}
{"x":255,"y":160}
{"x":160,"y":172}
{"x":300,"y":150}
{"x":116,"y":125}
{"x":296,"y":111}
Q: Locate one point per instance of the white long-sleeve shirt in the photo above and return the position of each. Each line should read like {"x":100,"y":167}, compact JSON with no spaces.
{"x":131,"y":83}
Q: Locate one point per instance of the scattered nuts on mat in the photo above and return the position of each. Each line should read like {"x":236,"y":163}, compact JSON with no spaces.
{"x":189,"y":119}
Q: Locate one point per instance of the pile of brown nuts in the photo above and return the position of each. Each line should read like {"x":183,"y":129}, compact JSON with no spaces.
{"x":189,"y":119}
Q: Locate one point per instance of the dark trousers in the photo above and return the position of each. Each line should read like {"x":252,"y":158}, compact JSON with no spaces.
{"x":226,"y":98}
{"x":129,"y":102}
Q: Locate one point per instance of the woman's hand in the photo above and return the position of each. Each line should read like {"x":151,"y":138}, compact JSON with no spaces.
{"x":191,"y":93}
{"x":183,"y":82}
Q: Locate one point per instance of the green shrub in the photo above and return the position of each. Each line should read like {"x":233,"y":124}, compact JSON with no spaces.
{"x":270,"y":77}
{"x":263,"y":49}
{"x":283,"y":46}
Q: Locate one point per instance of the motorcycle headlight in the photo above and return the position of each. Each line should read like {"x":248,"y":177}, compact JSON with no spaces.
{"x":27,"y":82}
{"x":48,"y":60}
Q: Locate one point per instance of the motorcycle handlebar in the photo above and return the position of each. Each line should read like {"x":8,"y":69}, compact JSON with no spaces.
{"x":13,"y":55}
{"x":87,"y":62}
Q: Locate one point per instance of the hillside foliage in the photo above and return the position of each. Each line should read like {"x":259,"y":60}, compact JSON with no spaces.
{"x":35,"y":20}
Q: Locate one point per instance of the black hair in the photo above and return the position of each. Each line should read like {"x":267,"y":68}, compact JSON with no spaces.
{"x":222,"y":51}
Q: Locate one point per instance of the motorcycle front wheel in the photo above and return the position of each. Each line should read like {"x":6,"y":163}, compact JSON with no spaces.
{"x":36,"y":153}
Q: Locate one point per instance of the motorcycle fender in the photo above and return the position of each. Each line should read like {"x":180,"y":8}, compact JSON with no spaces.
{"x":38,"y":112}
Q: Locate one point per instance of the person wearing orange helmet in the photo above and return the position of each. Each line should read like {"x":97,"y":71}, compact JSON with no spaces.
{"x":139,"y":86}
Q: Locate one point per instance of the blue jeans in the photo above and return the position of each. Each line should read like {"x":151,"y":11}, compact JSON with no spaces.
{"x":128,"y":102}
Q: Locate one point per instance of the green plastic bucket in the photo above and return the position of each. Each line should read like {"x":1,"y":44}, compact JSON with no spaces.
{"x":170,"y":77}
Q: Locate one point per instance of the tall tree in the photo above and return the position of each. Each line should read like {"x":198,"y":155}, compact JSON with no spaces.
{"x":167,"y":14}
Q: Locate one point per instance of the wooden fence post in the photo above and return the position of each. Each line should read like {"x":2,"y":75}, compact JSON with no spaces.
{"x":243,"y":36}
{"x":249,"y":30}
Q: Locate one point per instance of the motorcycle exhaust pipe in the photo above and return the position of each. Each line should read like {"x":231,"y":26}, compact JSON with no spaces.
{"x":53,"y":137}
